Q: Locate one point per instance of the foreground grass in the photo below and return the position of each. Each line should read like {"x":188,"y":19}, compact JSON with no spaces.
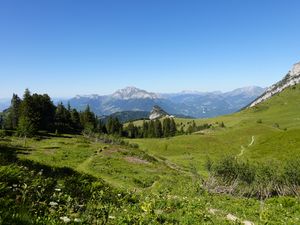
{"x":91,"y":190}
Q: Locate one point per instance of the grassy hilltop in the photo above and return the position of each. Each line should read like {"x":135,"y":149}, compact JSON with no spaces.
{"x":272,"y":128}
{"x":74,"y":179}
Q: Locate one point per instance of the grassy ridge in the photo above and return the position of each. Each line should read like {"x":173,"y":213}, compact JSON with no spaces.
{"x":274,"y":125}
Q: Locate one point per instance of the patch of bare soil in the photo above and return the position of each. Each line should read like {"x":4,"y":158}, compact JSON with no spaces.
{"x":135,"y":160}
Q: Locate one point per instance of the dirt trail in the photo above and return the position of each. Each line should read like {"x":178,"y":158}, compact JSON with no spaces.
{"x":243,"y":148}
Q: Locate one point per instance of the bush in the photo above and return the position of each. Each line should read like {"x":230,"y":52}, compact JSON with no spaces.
{"x":227,"y":169}
{"x":2,"y":133}
{"x":256,"y":179}
{"x":292,"y":172}
{"x":259,"y":121}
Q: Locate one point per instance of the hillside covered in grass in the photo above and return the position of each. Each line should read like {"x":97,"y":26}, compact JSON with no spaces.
{"x":272,"y":128}
{"x":242,"y":168}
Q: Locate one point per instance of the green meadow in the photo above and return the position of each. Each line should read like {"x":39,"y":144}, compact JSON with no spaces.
{"x":58,"y":179}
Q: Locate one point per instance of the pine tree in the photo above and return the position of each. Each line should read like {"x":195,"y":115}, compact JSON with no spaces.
{"x":114,"y":126}
{"x":25,"y":127}
{"x":75,"y":119}
{"x":1,"y":122}
{"x":131,"y":130}
{"x":45,"y":111}
{"x":158,"y":129}
{"x":28,"y":114}
{"x":15,"y":111}
{"x":88,"y":119}
{"x":145,"y":129}
{"x":166,"y":127}
{"x":151,"y":131}
{"x":173,"y":128}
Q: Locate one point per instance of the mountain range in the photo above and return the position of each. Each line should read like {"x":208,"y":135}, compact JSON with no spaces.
{"x":193,"y":104}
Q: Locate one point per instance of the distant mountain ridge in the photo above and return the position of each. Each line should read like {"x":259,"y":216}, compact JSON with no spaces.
{"x":194,"y":104}
{"x":133,"y":93}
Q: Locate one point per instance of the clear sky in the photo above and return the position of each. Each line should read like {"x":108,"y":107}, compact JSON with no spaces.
{"x":69,"y":47}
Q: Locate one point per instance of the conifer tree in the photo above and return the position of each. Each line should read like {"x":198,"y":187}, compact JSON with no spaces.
{"x":151,"y":130}
{"x":158,"y":128}
{"x":166,"y":127}
{"x":173,"y":128}
{"x":145,"y":129}
{"x":15,"y":111}
{"x":28,"y":114}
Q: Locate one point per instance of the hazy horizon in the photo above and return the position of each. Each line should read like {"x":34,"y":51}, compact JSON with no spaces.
{"x":65,"y":48}
{"x":20,"y":94}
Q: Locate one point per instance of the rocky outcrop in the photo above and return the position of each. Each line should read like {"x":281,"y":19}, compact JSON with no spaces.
{"x":157,"y":113}
{"x":292,"y":78}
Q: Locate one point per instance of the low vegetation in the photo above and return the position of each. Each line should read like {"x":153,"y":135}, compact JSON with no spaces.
{"x":235,"y":169}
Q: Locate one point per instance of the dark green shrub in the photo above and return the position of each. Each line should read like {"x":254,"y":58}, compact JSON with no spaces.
{"x":2,"y":133}
{"x":292,"y":172}
{"x":227,"y":169}
{"x":246,"y":172}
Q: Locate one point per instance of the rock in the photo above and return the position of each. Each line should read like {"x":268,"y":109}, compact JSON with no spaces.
{"x":157,"y":113}
{"x":231,"y":217}
{"x":292,"y":78}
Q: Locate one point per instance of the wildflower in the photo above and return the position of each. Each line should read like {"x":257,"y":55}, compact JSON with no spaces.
{"x":53,"y":203}
{"x":65,"y":219}
{"x":57,"y":189}
{"x":76,"y":220}
{"x":111,"y":217}
{"x":15,"y":185}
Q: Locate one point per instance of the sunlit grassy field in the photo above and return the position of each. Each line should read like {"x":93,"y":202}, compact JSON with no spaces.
{"x":161,"y":181}
{"x":273,"y":125}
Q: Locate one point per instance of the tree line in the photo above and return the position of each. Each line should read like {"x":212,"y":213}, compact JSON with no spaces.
{"x":35,"y":112}
{"x":152,"y":129}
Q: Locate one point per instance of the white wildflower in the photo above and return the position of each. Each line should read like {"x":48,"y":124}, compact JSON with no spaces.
{"x":111,"y":217}
{"x":57,"y":189}
{"x":65,"y":219}
{"x":53,"y":203}
{"x":76,"y":220}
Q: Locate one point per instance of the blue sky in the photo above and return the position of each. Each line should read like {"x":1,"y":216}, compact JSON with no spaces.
{"x":68,"y":47}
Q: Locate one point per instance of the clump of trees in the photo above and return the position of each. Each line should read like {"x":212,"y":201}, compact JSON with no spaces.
{"x":194,"y":128}
{"x":35,"y":112}
{"x":152,"y":129}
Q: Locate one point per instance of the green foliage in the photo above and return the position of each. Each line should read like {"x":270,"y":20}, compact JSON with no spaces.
{"x":2,"y":133}
{"x":26,"y":127}
{"x":259,"y":121}
{"x":263,"y":180}
{"x":292,"y":171}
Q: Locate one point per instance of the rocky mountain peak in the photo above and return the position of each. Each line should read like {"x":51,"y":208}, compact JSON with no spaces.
{"x":295,"y":70}
{"x":133,"y":93}
{"x":292,"y":78}
{"x":157,"y":112}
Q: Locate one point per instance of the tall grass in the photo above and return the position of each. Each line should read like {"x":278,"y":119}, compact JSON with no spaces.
{"x":254,"y":179}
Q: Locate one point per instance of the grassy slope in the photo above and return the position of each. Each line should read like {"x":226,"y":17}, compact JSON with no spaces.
{"x":166,"y":182}
{"x":119,"y":165}
{"x":270,"y":141}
